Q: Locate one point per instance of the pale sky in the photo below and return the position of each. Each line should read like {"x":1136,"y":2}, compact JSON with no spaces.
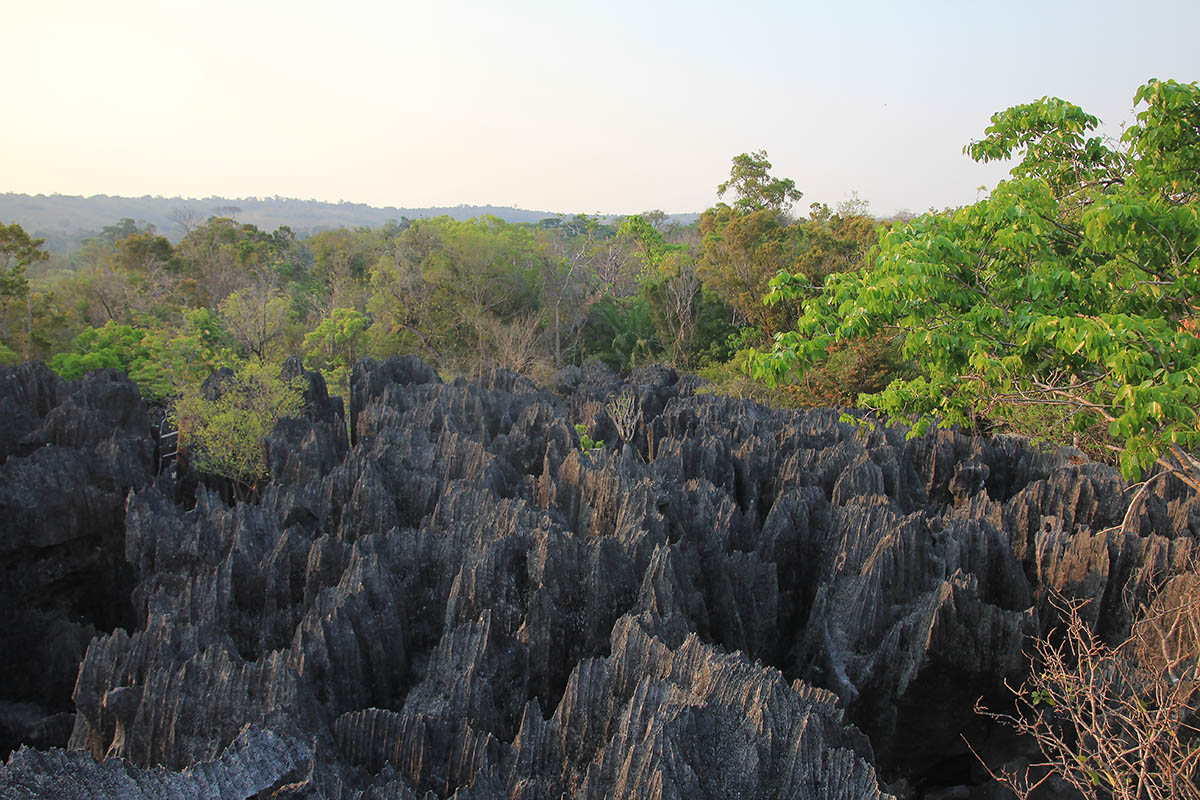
{"x":613,"y":107}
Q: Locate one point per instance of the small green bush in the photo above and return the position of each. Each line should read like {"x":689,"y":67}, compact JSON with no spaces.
{"x":223,"y":432}
{"x":585,"y":441}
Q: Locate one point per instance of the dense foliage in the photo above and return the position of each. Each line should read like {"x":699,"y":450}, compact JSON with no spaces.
{"x":17,"y":252}
{"x":466,"y":296}
{"x":224,"y":422}
{"x":1067,"y":298}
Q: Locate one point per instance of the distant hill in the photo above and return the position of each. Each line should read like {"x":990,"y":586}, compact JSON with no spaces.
{"x":64,"y":220}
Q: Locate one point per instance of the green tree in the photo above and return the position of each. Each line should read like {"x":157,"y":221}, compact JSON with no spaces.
{"x":133,"y":278}
{"x":620,"y":332}
{"x":446,"y":285}
{"x":50,"y":325}
{"x":160,"y":360}
{"x":834,"y":241}
{"x":341,"y":259}
{"x":198,"y":347}
{"x":1070,"y":291}
{"x":585,"y":261}
{"x":222,"y":256}
{"x":493,"y":268}
{"x":223,"y":429}
{"x":137,"y":352}
{"x":756,"y":189}
{"x":79,"y":292}
{"x":17,"y":252}
{"x":123,"y":229}
{"x":144,"y":253}
{"x":745,"y":244}
{"x":257,"y":318}
{"x":335,"y":344}
{"x":670,"y":288}
{"x":741,"y":253}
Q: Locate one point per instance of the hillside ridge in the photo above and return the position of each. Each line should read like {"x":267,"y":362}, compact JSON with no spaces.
{"x":63,"y":220}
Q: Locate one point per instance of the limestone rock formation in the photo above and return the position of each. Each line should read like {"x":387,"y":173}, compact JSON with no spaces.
{"x":257,"y":761}
{"x":738,"y":602}
{"x":69,"y":455}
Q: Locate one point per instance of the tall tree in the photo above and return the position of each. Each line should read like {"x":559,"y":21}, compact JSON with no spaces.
{"x":257,"y":317}
{"x":755,"y":189}
{"x":446,"y":284}
{"x":341,"y":258}
{"x":742,"y":252}
{"x":586,"y":262}
{"x":222,"y":256}
{"x":747,"y":242}
{"x":17,"y":252}
{"x":335,"y":345}
{"x":1069,"y":293}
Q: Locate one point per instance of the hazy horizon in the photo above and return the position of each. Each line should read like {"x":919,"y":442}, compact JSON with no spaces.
{"x":541,"y":106}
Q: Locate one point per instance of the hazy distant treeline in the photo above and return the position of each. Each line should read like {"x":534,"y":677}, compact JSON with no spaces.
{"x":65,"y":221}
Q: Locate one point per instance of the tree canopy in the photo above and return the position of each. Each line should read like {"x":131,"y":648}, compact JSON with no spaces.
{"x":1069,"y":292}
{"x":755,"y":189}
{"x":224,"y":422}
{"x":18,"y":250}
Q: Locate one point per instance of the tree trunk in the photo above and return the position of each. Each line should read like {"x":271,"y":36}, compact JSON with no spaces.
{"x":28,"y":323}
{"x":557,"y":337}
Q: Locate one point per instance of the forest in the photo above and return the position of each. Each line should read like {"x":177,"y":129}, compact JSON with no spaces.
{"x":1061,"y":306}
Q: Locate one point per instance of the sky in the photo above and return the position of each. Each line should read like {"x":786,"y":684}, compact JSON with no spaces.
{"x":560,"y":106}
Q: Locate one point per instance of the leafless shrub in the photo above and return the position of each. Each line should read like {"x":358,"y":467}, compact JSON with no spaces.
{"x":624,"y":412}
{"x":515,"y":345}
{"x":1117,"y":722}
{"x":185,"y":217}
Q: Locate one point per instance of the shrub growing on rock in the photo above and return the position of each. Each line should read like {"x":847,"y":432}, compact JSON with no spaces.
{"x":1118,"y":721}
{"x":224,"y":422}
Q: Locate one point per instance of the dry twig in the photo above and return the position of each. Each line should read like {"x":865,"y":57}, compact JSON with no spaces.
{"x":1115,"y":722}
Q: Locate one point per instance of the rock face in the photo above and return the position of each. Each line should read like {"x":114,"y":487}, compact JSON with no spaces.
{"x":69,"y":455}
{"x":739,"y":603}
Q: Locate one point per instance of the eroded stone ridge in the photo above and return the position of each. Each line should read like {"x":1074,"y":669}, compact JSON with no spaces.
{"x":69,"y":455}
{"x":741,"y":602}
